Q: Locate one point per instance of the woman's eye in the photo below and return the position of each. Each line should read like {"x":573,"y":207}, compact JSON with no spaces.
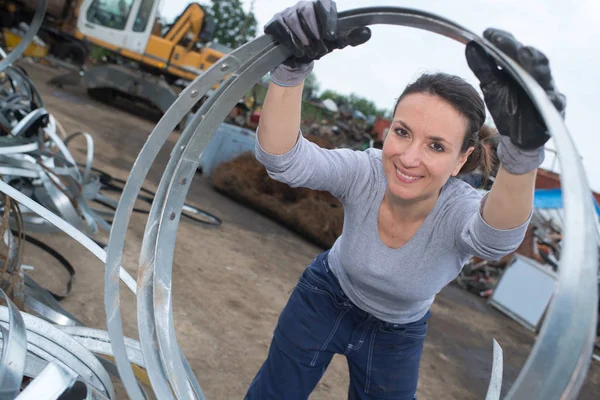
{"x":437,"y":147}
{"x":401,"y":132}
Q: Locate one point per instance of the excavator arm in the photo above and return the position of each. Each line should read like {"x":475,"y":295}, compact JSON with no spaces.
{"x":189,"y":23}
{"x":182,"y":49}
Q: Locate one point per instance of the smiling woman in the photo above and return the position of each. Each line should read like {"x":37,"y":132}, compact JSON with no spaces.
{"x":409,"y":223}
{"x":438,"y":132}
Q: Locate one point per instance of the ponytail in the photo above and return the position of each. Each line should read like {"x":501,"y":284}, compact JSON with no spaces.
{"x":482,"y":157}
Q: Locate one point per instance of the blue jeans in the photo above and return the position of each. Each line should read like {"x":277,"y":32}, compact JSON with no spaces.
{"x":319,"y":321}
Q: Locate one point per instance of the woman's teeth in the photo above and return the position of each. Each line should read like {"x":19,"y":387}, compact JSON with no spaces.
{"x":407,"y":178}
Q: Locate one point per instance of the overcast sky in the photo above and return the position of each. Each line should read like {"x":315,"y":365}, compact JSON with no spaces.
{"x":568,"y":32}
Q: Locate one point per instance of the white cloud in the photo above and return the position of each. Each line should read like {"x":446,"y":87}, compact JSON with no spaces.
{"x":568,"y":34}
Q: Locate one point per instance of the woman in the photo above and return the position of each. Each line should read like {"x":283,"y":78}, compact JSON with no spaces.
{"x":409,"y":223}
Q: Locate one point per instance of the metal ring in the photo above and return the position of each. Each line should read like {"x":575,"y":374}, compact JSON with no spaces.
{"x":563,"y":349}
{"x":49,"y":343}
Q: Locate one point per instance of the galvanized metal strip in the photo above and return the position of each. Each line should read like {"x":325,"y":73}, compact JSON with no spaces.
{"x":164,"y":324}
{"x":24,"y":173}
{"x":48,"y":342}
{"x":495,"y":386}
{"x":98,"y":342}
{"x":146,"y":313}
{"x":171,"y":196}
{"x":62,"y":146}
{"x":48,"y":313}
{"x":49,"y":349}
{"x":60,"y":201}
{"x":53,"y":381}
{"x":34,"y":27}
{"x":156,"y":140}
{"x":180,"y":108}
{"x":35,"y":291}
{"x":66,"y":228}
{"x":89,"y":155}
{"x":24,"y":124}
{"x":19,"y":148}
{"x":14,"y":351}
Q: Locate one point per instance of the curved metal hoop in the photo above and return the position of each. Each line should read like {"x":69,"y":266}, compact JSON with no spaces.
{"x":560,"y":358}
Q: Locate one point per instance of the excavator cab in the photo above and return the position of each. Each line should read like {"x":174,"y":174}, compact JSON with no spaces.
{"x":119,"y":25}
{"x":127,"y":27}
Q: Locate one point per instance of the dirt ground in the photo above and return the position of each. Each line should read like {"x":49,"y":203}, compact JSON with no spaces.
{"x":231,"y":282}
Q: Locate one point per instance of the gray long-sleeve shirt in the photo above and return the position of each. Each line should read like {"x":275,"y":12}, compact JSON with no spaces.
{"x":395,"y":285}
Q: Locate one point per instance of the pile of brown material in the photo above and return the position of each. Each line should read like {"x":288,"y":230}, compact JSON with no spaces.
{"x":316,"y":215}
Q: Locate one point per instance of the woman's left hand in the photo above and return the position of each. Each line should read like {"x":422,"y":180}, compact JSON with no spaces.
{"x":513,"y":112}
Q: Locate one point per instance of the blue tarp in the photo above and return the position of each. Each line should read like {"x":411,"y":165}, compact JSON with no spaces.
{"x":552,"y":198}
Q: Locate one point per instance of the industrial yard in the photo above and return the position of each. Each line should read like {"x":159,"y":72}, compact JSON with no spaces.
{"x":231,"y":281}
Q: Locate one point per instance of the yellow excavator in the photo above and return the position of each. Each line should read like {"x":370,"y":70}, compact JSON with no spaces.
{"x":146,"y":61}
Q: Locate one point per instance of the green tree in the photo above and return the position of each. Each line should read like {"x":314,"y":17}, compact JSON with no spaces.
{"x":234,"y":27}
{"x":365,"y":106}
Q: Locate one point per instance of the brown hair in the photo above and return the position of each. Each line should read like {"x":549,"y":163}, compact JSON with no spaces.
{"x":465,"y":99}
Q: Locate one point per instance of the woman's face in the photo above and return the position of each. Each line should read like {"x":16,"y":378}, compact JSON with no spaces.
{"x":423,"y":147}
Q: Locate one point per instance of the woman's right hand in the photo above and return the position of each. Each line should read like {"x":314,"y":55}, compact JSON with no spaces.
{"x":309,"y":30}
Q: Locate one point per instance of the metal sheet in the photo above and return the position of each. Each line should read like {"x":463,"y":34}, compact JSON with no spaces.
{"x":524,"y":291}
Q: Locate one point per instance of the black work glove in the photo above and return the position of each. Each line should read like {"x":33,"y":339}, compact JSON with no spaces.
{"x":309,"y":30}
{"x":522,"y":128}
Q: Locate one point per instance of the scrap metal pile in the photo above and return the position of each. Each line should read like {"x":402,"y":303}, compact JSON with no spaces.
{"x":341,"y":132}
{"x":51,"y":354}
{"x":45,"y":351}
{"x":34,"y":158}
{"x":542,"y":244}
